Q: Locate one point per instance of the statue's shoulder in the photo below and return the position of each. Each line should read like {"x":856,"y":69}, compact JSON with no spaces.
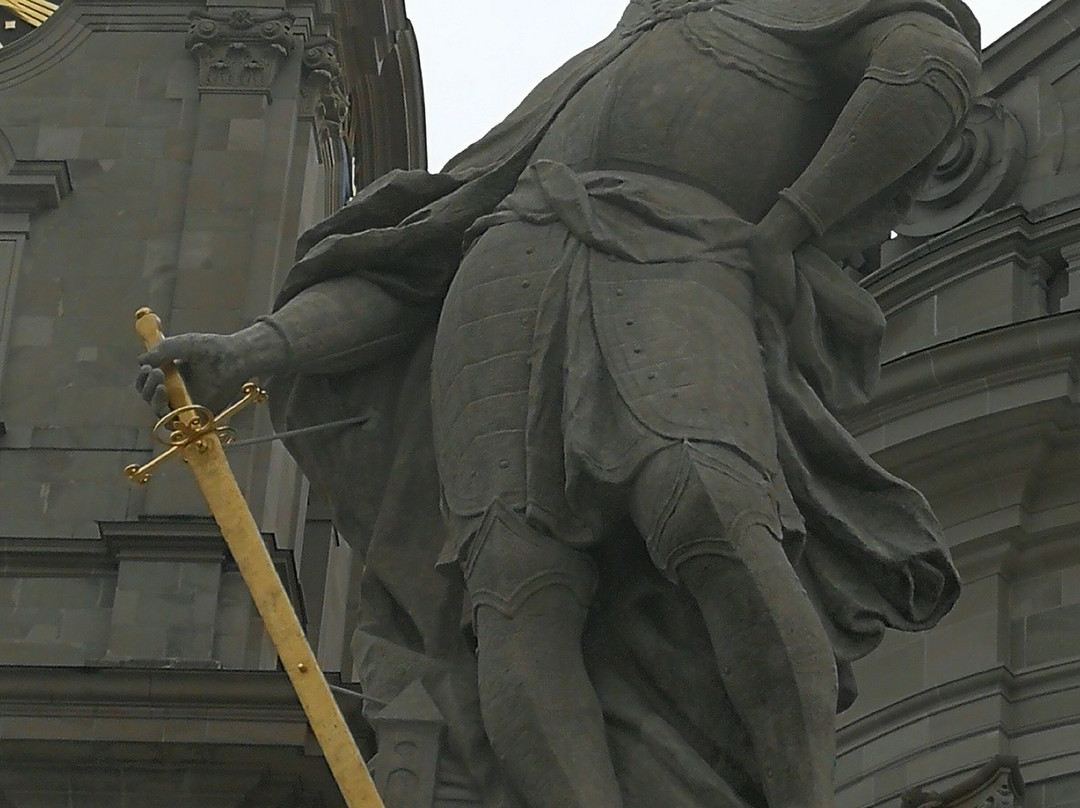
{"x":822,"y":16}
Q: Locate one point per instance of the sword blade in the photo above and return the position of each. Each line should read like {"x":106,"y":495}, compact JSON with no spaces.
{"x":206,"y":459}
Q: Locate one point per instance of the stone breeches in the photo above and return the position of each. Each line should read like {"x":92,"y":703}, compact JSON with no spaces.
{"x":686,"y":501}
{"x":527,"y":413}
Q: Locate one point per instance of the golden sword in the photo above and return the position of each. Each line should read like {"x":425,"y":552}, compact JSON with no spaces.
{"x":195,"y":436}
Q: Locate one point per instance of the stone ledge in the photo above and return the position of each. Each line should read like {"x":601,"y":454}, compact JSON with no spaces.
{"x":119,"y":704}
{"x":970,"y":247}
{"x":979,"y":364}
{"x":1014,"y":686}
{"x":192,"y":538}
{"x":62,"y":556}
{"x":28,"y":187}
{"x":963,"y":250}
{"x":52,"y":690}
{"x":32,"y":186}
{"x":1040,"y":741}
{"x":51,"y":774}
{"x":180,"y":539}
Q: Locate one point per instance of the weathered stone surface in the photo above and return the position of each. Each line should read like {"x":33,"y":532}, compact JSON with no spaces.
{"x":652,"y":308}
{"x":112,"y":169}
{"x":981,"y":424}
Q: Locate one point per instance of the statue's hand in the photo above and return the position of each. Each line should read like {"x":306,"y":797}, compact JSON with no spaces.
{"x":773,"y":267}
{"x":769,"y":262}
{"x":214,"y":367}
{"x":770,"y":247}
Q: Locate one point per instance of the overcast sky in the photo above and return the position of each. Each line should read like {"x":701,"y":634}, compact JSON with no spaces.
{"x":480,"y":57}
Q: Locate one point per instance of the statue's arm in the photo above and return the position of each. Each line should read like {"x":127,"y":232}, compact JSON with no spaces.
{"x":914,"y":77}
{"x":336,"y":325}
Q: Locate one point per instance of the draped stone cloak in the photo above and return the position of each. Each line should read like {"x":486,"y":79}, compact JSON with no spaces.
{"x":865,"y":544}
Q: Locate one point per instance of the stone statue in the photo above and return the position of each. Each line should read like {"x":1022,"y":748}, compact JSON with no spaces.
{"x":602,"y":350}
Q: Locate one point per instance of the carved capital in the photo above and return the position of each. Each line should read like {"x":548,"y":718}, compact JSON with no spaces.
{"x":239,"y":51}
{"x":324,"y":99}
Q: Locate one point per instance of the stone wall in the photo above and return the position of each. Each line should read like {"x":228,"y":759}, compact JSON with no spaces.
{"x":186,"y":199}
{"x":164,"y":154}
{"x":128,"y":737}
{"x":1060,"y":792}
{"x":154,"y":593}
{"x":977,"y":407}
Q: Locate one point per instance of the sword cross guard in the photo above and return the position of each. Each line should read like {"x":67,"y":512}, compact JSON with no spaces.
{"x":188,"y":424}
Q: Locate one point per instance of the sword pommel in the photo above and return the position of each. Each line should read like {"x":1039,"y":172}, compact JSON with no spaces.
{"x":148,"y":326}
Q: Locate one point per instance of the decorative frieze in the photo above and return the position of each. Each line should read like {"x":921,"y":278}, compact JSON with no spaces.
{"x":239,"y":51}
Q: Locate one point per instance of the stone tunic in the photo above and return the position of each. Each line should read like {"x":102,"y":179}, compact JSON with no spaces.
{"x":562,"y":362}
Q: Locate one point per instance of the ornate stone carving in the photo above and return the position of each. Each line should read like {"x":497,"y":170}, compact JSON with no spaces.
{"x":998,"y":784}
{"x":324,"y":101}
{"x":238,"y":51}
{"x":322,"y":92}
{"x":977,"y":173}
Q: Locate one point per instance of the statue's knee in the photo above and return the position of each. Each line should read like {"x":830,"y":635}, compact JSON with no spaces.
{"x":510,"y":562}
{"x":711,"y":507}
{"x":924,"y":50}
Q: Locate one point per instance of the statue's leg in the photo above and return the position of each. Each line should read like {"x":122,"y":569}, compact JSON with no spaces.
{"x":708,"y":525}
{"x":530,"y":594}
{"x":915,"y":79}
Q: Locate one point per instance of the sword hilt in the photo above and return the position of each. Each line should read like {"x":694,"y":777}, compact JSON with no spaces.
{"x":148,"y":327}
{"x":187,"y":423}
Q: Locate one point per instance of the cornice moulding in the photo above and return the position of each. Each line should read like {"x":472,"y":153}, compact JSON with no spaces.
{"x":1044,"y":32}
{"x":103,"y":686}
{"x":75,"y":21}
{"x":161,"y":540}
{"x":941,"y":260}
{"x":974,"y":365}
{"x":118,"y":704}
{"x":32,"y":186}
{"x":42,"y":49}
{"x":1040,"y":680}
{"x":1011,"y":687}
{"x":190,"y":540}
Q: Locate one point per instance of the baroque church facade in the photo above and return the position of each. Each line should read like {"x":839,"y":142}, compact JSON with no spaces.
{"x":168,"y":154}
